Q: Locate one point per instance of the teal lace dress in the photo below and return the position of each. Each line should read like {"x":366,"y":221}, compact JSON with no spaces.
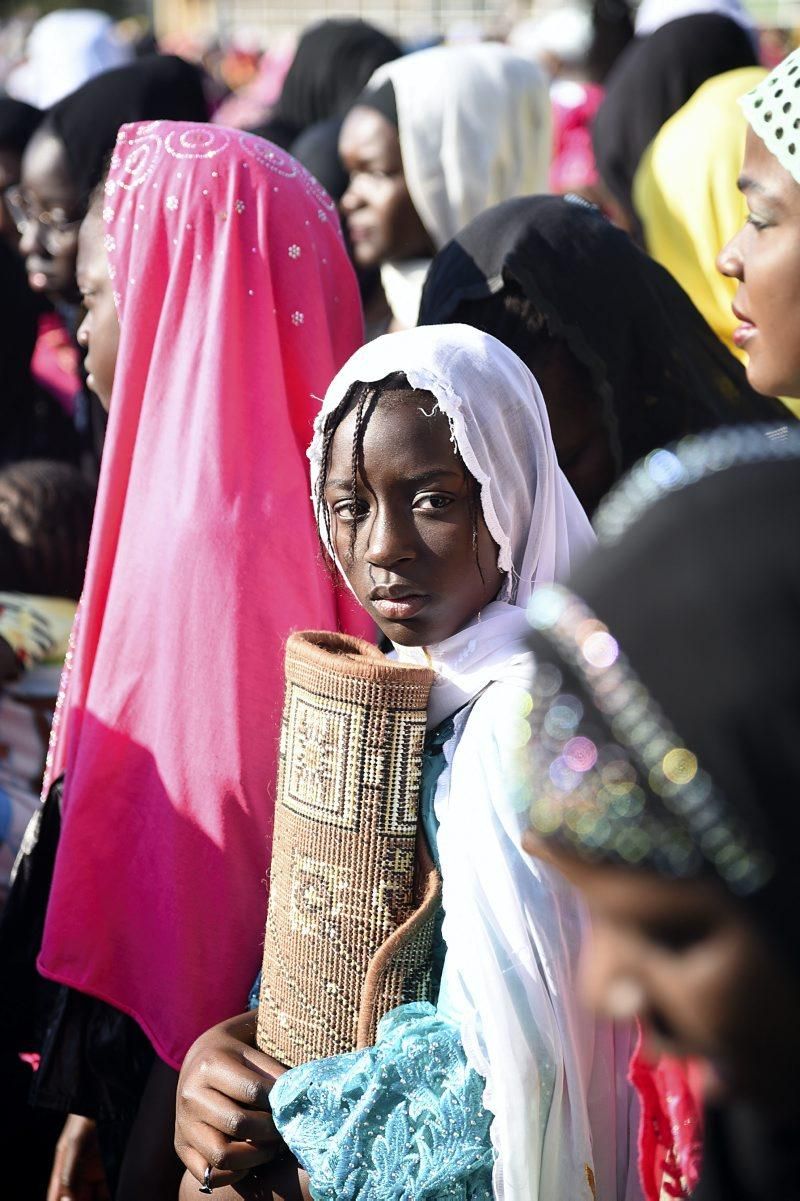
{"x":403,"y":1120}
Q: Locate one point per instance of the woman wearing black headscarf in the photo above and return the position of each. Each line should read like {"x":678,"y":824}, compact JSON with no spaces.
{"x":65,"y":161}
{"x":625,"y":361}
{"x":66,"y":157}
{"x":32,"y":423}
{"x":18,"y":123}
{"x":652,"y":79}
{"x":333,"y":62}
{"x":662,"y":773}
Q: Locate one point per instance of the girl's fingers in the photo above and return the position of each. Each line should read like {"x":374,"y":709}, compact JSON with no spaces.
{"x":197,"y":1166}
{"x":236,"y":1080}
{"x":220,"y":1152}
{"x":237,"y":1122}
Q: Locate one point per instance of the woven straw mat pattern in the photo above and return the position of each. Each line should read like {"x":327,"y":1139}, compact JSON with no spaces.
{"x":343,"y":856}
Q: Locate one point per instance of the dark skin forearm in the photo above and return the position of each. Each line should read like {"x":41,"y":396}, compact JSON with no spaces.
{"x":282,"y":1181}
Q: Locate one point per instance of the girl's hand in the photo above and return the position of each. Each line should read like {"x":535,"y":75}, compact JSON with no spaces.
{"x":78,"y":1173}
{"x":223,"y":1119}
{"x":285,"y":1181}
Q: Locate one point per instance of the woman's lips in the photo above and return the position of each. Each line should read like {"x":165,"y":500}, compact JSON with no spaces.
{"x":359,"y":233}
{"x":744,"y":330}
{"x":399,"y":608}
{"x":38,"y":281}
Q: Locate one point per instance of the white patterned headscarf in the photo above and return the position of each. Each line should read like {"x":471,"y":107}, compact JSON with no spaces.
{"x":772,"y":110}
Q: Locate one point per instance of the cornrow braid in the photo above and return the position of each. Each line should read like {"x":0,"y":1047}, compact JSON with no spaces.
{"x":358,"y":442}
{"x":364,"y":396}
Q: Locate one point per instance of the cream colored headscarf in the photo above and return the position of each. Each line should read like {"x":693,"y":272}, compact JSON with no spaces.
{"x":474,"y":126}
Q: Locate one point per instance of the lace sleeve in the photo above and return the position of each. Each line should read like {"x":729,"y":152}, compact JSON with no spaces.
{"x":403,"y":1119}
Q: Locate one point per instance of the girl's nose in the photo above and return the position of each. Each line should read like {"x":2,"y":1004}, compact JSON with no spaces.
{"x":390,"y":541}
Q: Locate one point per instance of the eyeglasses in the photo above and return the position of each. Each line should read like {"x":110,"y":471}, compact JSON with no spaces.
{"x":54,"y":229}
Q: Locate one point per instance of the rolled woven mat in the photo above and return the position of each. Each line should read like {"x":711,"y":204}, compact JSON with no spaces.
{"x":353,"y":891}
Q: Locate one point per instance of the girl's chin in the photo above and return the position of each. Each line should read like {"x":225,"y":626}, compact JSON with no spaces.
{"x":403,"y":637}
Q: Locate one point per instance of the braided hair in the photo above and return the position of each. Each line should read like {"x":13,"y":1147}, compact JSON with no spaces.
{"x":46,"y":513}
{"x":363,"y":397}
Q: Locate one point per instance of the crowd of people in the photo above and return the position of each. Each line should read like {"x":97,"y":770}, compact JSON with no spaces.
{"x":485,"y":353}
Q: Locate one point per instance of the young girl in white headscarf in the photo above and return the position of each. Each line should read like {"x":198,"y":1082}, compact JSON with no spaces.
{"x":440,"y":498}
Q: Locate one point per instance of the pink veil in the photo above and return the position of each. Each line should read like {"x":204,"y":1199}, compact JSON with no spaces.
{"x":237,"y":306}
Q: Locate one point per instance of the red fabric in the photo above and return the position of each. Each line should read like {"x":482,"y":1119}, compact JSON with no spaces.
{"x":55,"y":361}
{"x":237,"y":305}
{"x":670,"y":1146}
{"x":573,"y":166}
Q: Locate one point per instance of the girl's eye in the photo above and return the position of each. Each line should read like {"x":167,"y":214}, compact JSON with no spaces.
{"x":345,"y":510}
{"x":755,"y":222}
{"x":433,"y":500}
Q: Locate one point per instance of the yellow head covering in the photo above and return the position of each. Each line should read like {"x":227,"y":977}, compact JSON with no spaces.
{"x":686,"y":196}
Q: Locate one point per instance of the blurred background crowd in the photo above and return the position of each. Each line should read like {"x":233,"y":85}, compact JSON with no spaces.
{"x":627,"y":110}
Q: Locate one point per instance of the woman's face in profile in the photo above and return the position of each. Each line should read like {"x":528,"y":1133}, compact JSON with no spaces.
{"x":764,"y":257}
{"x":382,"y":222}
{"x":684,"y":957}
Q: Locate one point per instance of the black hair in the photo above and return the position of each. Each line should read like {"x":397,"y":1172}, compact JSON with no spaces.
{"x":363,"y":397}
{"x":46,"y":513}
{"x":612,"y":30}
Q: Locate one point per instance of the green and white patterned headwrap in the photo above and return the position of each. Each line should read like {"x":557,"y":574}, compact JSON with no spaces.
{"x":772,"y":110}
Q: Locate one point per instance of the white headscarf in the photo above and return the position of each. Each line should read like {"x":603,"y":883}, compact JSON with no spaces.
{"x":652,"y":14}
{"x":555,"y":1076}
{"x":65,"y":49}
{"x":474,"y":127}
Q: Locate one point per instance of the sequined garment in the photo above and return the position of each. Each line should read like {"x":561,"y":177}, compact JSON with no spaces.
{"x":402,"y":1120}
{"x":236,"y":303}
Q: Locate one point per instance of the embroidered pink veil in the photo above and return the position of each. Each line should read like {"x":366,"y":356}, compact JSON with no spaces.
{"x":237,"y":306}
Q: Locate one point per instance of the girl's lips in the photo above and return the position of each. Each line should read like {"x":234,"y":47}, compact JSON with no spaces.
{"x":37,"y":281}
{"x":400,"y":610}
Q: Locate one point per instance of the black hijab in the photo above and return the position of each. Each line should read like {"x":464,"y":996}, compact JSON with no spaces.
{"x":658,"y":369}
{"x":697,"y":580}
{"x":18,"y":123}
{"x":87,"y":121}
{"x":652,"y":79}
{"x":317,"y":149}
{"x":334,"y":61}
{"x":32,"y":423}
{"x":612,"y":31}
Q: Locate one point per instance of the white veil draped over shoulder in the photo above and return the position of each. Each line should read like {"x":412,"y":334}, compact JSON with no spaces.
{"x":556,"y":1076}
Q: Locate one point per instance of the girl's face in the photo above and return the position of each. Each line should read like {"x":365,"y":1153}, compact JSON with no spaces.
{"x":685,"y":959}
{"x":765,"y":258}
{"x":99,"y":330}
{"x":382,"y":222}
{"x":422,"y":562}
